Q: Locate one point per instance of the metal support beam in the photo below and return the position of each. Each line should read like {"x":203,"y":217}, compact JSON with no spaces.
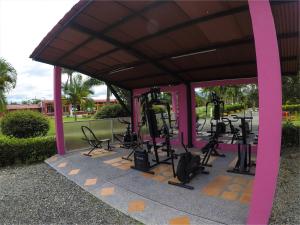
{"x":128,"y":48}
{"x":118,"y":97}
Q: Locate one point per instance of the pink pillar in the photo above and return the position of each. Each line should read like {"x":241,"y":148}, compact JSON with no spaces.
{"x":269,"y":83}
{"x":59,"y":129}
{"x":174,"y":102}
{"x":182,"y":111}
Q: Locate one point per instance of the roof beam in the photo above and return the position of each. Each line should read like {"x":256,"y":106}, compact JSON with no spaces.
{"x":284,"y":59}
{"x":86,"y":4}
{"x":192,"y":22}
{"x":173,"y":28}
{"x":115,"y":93}
{"x":96,"y":76}
{"x":110,"y":27}
{"x":127,"y":48}
{"x":218,"y":46}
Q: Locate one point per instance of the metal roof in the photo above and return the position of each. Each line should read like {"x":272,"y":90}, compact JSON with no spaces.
{"x":134,"y":44}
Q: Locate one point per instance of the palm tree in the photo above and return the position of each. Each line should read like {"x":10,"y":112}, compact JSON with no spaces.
{"x":77,"y":92}
{"x":69,"y":73}
{"x":8,"y":79}
{"x":95,"y":82}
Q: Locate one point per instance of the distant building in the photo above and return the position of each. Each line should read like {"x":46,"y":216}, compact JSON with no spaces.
{"x":47,"y":107}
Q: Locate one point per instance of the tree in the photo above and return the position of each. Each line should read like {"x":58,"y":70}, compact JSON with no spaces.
{"x":77,"y":92}
{"x":95,"y":82}
{"x":290,"y":89}
{"x":8,"y":79}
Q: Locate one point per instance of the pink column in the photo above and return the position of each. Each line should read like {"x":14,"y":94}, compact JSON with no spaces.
{"x":269,"y":83}
{"x":174,"y":102}
{"x":182,"y":111}
{"x":58,"y":114}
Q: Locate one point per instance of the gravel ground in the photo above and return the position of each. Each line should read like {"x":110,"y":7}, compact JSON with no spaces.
{"x":286,"y":208}
{"x":37,"y":194}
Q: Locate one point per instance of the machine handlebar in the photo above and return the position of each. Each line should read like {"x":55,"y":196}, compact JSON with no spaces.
{"x":242,"y":117}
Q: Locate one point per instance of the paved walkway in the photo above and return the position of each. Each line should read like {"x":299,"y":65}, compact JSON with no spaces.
{"x":218,"y":198}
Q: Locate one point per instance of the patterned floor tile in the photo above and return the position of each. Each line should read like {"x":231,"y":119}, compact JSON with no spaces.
{"x":74,"y":172}
{"x":182,"y":220}
{"x":136,"y":206}
{"x":90,"y":182}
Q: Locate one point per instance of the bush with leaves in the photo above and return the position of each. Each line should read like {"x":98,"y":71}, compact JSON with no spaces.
{"x":291,"y":108}
{"x":25,"y":150}
{"x":233,"y":108}
{"x":111,"y":111}
{"x":290,"y":134}
{"x":24,"y":124}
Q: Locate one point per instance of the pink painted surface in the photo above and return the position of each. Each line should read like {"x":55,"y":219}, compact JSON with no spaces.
{"x":182,"y":119}
{"x":252,"y":80}
{"x":200,"y":143}
{"x":174,"y":102}
{"x":58,"y":113}
{"x":269,"y":83}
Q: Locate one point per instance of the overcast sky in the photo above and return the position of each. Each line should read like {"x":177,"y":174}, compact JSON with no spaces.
{"x":23,"y":24}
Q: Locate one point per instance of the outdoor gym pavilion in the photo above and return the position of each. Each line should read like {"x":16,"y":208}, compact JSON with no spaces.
{"x":179,"y":46}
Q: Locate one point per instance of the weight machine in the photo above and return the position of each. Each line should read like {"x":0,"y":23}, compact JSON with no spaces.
{"x":244,"y":162}
{"x":141,"y":157}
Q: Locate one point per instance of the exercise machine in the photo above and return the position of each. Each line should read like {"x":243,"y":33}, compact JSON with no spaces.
{"x":149,"y":118}
{"x":189,"y":165}
{"x":244,"y":162}
{"x":129,"y":140}
{"x":93,"y":141}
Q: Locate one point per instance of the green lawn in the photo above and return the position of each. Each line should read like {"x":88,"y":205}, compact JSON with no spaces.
{"x":66,"y":119}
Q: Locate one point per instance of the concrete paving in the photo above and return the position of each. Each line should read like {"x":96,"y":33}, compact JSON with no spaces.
{"x":217,"y":198}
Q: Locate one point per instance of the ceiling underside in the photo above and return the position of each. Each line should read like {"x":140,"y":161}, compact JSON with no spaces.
{"x":134,"y":44}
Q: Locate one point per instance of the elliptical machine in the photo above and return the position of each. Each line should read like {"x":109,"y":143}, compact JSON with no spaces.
{"x":244,"y":162}
{"x":189,"y":165}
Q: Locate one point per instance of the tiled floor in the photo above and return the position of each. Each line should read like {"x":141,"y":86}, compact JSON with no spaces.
{"x":219,"y":197}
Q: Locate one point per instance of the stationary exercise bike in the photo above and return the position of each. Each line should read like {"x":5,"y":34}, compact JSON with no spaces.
{"x":244,"y":162}
{"x":128,"y":140}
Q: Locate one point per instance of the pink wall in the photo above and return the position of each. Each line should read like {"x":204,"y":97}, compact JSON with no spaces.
{"x":58,"y":113}
{"x":200,"y":144}
{"x":269,"y":83}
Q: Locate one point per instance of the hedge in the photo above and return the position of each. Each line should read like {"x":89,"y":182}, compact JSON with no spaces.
{"x":111,"y":111}
{"x":24,"y":124}
{"x":25,"y":150}
{"x":290,"y":135}
{"x":233,"y":108}
{"x":291,"y":108}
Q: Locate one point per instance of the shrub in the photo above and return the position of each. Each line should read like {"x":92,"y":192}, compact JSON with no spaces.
{"x":25,"y":150}
{"x":24,"y":124}
{"x":234,"y":107}
{"x":290,"y":135}
{"x":159,"y":109}
{"x":291,"y":108}
{"x":111,"y":111}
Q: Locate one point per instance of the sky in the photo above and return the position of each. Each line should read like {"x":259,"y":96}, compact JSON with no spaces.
{"x":23,"y":24}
